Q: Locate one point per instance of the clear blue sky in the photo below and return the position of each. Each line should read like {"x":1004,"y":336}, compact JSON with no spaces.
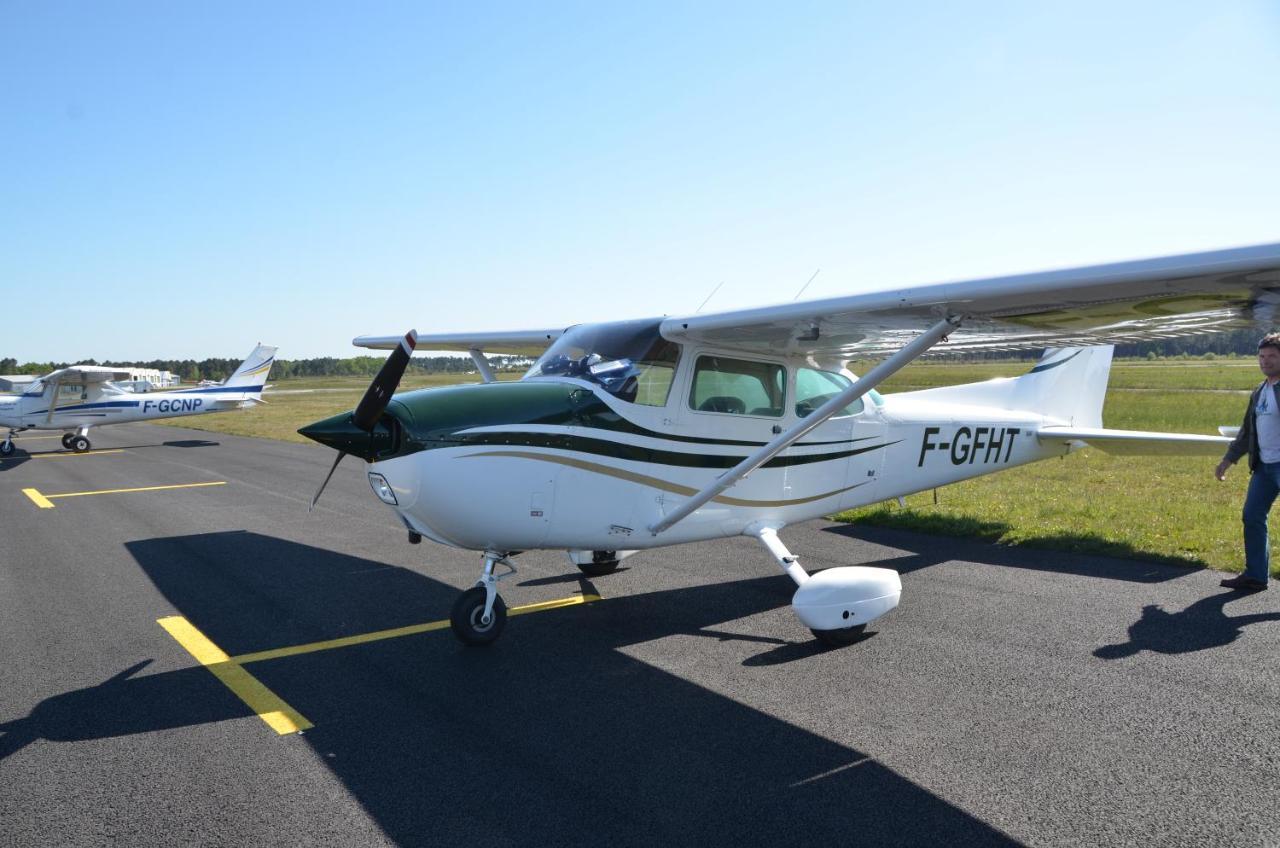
{"x":185,"y":179}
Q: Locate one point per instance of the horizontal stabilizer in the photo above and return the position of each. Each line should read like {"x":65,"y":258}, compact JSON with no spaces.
{"x":241,"y":402}
{"x":1137,"y":442}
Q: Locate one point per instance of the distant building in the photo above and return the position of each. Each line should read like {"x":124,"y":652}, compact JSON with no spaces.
{"x":145,"y":379}
{"x":16,"y":382}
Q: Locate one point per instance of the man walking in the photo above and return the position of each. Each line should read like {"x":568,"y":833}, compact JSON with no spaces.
{"x":1260,"y":438}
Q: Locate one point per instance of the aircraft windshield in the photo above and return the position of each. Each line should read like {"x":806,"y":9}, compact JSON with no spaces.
{"x":629,"y":359}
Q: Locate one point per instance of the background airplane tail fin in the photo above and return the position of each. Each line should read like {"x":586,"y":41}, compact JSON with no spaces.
{"x":1068,"y":385}
{"x":252,"y":373}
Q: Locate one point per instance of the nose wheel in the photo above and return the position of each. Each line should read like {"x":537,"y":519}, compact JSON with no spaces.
{"x":6,"y":447}
{"x":479,"y":614}
{"x":469,"y":621}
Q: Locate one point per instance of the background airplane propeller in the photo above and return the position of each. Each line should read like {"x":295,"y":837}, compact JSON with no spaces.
{"x":376,"y":397}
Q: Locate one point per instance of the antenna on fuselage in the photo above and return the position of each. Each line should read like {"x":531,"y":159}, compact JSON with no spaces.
{"x":713,"y":294}
{"x":806,"y":285}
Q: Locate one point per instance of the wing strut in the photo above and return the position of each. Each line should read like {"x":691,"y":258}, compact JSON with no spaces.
{"x":784,"y":440}
{"x":53,"y":401}
{"x":482,"y":365}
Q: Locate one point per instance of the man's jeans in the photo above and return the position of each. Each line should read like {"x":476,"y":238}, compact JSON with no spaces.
{"x":1264,"y":485}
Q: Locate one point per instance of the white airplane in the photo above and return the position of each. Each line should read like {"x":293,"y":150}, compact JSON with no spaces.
{"x":83,"y":396}
{"x":639,"y":434}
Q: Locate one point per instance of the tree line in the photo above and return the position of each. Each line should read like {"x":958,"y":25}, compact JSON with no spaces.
{"x":1235,"y":342}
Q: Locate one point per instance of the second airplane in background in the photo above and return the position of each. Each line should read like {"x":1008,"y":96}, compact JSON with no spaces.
{"x":83,"y":396}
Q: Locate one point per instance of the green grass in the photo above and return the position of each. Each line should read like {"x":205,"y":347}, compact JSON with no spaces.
{"x":1169,"y":509}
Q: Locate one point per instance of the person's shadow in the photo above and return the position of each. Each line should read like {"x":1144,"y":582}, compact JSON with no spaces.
{"x":1203,"y":625}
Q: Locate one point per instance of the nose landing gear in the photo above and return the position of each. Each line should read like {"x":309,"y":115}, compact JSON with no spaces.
{"x":479,"y":614}
{"x":6,"y":447}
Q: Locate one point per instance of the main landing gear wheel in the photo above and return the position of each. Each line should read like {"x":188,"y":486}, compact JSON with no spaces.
{"x":6,"y":448}
{"x":841,"y":637}
{"x":598,"y":568}
{"x":66,"y":440}
{"x":79,"y":444}
{"x":467,"y":618}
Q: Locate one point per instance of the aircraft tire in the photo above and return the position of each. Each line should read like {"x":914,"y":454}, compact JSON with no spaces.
{"x":66,"y":440}
{"x":598,"y":569}
{"x":840,"y":637}
{"x":80,"y":444}
{"x":465,"y":618}
{"x":6,"y":448}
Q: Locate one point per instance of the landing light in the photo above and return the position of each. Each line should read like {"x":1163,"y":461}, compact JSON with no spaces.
{"x":382,"y":489}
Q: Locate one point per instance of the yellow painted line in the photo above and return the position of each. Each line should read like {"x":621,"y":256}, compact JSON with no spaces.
{"x":64,"y":455}
{"x":278,"y":715}
{"x":138,"y":489}
{"x":396,"y":632}
{"x":39,"y":499}
{"x":68,"y":456}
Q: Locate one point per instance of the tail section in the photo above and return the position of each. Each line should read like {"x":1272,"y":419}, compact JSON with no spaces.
{"x":1067,"y":384}
{"x":252,"y":373}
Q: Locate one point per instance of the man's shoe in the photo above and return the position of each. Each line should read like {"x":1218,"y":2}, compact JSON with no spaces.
{"x":1244,"y":583}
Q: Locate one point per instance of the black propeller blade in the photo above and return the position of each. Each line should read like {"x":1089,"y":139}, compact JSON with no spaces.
{"x":379,"y":393}
{"x":320,"y":491}
{"x":374,"y":402}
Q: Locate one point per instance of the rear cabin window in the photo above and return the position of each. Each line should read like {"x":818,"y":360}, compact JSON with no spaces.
{"x":738,"y":387}
{"x":814,"y":388}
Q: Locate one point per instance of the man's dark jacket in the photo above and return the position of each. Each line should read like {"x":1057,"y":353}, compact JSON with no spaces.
{"x":1247,"y":440}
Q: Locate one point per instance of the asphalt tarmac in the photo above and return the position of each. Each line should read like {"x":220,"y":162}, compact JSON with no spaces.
{"x":1015,"y":696}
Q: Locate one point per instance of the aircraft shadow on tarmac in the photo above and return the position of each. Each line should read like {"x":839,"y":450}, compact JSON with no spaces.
{"x":21,"y":456}
{"x":933,"y":550}
{"x":552,"y":735}
{"x":1201,"y":626}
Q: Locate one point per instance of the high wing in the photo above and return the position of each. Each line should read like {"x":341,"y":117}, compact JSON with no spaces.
{"x":515,"y":343}
{"x":1104,"y":304}
{"x":86,"y":374}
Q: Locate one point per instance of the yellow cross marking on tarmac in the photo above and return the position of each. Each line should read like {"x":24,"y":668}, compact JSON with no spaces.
{"x":278,"y":715}
{"x":46,"y":501}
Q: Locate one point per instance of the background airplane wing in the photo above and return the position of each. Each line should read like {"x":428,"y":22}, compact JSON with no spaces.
{"x":1105,"y":304}
{"x":514,"y":343}
{"x":84,"y":374}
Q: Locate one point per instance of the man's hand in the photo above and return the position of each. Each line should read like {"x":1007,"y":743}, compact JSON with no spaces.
{"x":1221,"y":471}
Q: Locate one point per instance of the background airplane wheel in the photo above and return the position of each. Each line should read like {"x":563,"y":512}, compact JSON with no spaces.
{"x":66,"y":440}
{"x":465,"y":618}
{"x":6,"y":448}
{"x":598,"y":569}
{"x":840,"y":638}
{"x":79,"y":444}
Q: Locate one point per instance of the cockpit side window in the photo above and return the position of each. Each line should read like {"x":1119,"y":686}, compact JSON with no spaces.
{"x":814,"y":388}
{"x":738,"y":387}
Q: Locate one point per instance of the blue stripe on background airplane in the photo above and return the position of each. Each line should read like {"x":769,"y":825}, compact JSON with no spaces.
{"x":83,"y":396}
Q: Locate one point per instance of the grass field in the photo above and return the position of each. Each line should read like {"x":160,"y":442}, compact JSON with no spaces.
{"x":1155,"y":508}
